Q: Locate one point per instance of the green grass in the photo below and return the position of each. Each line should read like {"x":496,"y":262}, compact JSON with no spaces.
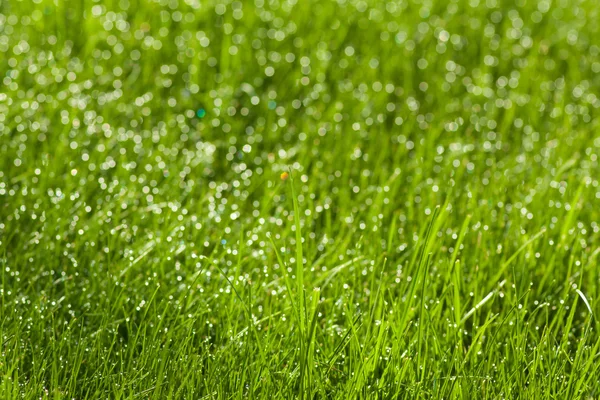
{"x":299,"y":199}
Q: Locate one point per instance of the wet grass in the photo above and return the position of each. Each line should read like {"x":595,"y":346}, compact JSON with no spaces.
{"x":281,"y":199}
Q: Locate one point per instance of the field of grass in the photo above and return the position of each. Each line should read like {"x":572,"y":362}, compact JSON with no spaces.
{"x":277,"y":199}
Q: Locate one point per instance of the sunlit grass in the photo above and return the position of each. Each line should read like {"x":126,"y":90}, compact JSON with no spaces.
{"x":284,"y":199}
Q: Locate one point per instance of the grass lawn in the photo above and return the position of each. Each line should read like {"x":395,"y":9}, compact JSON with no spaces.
{"x":312,"y":199}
